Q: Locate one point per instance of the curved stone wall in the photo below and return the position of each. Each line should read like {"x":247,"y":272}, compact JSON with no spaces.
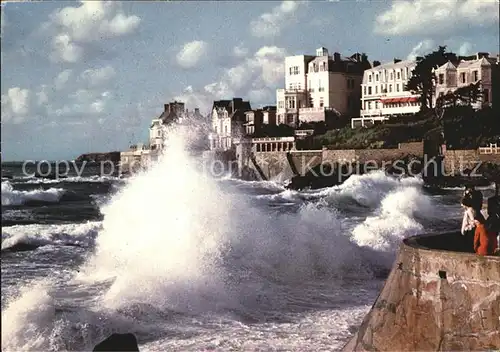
{"x":435,"y":300}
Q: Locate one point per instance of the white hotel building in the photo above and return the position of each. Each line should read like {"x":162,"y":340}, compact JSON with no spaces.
{"x":320,"y":86}
{"x":384,"y":94}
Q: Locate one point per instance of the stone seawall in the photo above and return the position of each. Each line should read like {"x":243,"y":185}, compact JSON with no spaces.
{"x":435,"y":300}
{"x":283,"y":165}
{"x":456,"y":160}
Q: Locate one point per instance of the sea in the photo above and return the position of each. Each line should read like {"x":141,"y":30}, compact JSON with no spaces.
{"x":188,"y":261}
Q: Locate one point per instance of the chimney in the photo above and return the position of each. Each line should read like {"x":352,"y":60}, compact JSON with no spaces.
{"x":336,"y":57}
{"x":364,"y":57}
{"x":397,"y":60}
{"x":166,"y":108}
{"x":376,"y":63}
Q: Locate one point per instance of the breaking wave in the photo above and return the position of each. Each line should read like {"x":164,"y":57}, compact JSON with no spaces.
{"x":12,"y":197}
{"x":176,"y":243}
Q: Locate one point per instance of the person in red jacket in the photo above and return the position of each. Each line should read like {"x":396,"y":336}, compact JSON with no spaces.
{"x":484,"y":239}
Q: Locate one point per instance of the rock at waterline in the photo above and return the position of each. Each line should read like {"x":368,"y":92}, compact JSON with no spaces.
{"x":118,"y":342}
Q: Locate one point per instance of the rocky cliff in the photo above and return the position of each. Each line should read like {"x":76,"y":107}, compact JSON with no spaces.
{"x":99,"y":157}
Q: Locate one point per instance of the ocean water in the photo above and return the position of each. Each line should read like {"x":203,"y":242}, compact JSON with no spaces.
{"x":188,"y":262}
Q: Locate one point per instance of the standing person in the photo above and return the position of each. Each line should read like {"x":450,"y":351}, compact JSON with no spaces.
{"x":471,"y":210}
{"x":484,"y":240}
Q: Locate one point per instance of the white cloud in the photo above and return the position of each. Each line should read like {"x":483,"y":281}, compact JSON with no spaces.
{"x":91,"y":21}
{"x":62,"y":79}
{"x":98,"y":76}
{"x":465,"y":49}
{"x":240,"y":51}
{"x":272,"y":23}
{"x":254,"y":78}
{"x":423,"y":17}
{"x":192,"y":53}
{"x":16,"y":105}
{"x":64,"y":49}
{"x":82,"y":102}
{"x":422,"y":48}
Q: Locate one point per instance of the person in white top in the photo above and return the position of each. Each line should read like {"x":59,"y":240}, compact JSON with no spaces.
{"x":468,"y":224}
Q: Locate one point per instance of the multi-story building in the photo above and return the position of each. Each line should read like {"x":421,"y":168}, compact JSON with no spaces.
{"x":255,"y":119}
{"x":228,"y":119}
{"x":469,"y":70}
{"x":384,"y":93}
{"x":317,"y":87}
{"x":172,"y":112}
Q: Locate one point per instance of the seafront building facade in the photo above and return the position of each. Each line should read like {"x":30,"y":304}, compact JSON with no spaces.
{"x":384,"y":93}
{"x":143,"y":155}
{"x":319,"y":87}
{"x":478,"y":68}
{"x":228,"y":120}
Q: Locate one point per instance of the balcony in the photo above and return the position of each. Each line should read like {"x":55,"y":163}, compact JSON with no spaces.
{"x":290,"y":91}
{"x":492,"y":149}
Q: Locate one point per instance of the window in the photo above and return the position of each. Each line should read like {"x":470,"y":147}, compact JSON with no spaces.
{"x":390,"y":76}
{"x":290,"y":71}
{"x":397,"y":87}
{"x":376,"y":89}
{"x":320,"y":88}
{"x":462,"y":77}
{"x":390,"y":88}
{"x":225,"y":129}
{"x":364,"y":90}
{"x":441,"y":78}
{"x":290,"y":86}
{"x":298,"y":86}
{"x":281,"y":104}
{"x":376,"y":77}
{"x":369,"y":78}
{"x":475,"y":76}
{"x":369,"y":90}
{"x":296,"y":70}
{"x":399,"y":75}
{"x":369,"y":105}
{"x":321,"y":103}
{"x":376,"y":105}
{"x":159,"y":133}
{"x":486,"y":96}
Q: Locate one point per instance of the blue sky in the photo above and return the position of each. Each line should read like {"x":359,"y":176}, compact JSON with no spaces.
{"x":83,"y":77}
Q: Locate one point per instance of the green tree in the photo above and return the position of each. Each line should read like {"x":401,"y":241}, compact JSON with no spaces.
{"x":423,"y":78}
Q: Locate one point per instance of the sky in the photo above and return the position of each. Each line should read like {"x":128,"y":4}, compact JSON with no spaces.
{"x":80,"y":77}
